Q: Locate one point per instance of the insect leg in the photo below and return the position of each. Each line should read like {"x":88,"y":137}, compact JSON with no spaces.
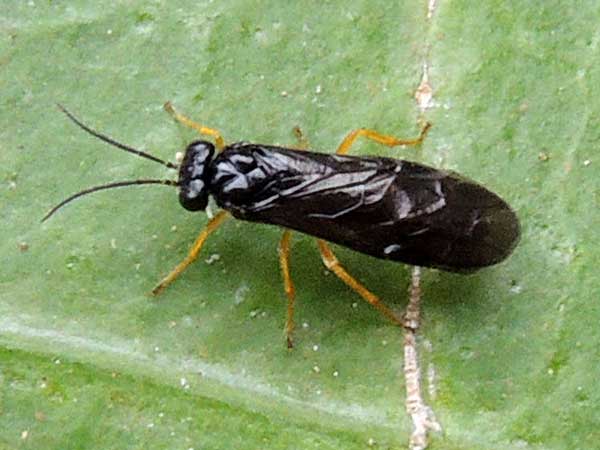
{"x":390,"y":141}
{"x":213,"y":224}
{"x":284,"y":262}
{"x":290,"y":291}
{"x":219,"y":142}
{"x":332,"y":263}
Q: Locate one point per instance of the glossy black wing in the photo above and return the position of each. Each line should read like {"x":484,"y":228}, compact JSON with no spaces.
{"x":383,"y":207}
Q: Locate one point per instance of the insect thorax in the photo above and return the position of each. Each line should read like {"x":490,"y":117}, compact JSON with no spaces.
{"x":237,"y":177}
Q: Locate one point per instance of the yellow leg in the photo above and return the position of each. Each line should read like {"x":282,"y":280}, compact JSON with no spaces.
{"x":284,"y":261}
{"x":219,"y":142}
{"x":390,"y":141}
{"x":212,"y":225}
{"x":290,"y":291}
{"x":332,"y":263}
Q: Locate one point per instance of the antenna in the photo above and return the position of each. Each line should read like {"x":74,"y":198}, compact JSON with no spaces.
{"x":103,"y":187}
{"x":117,"y":184}
{"x":112,"y":142}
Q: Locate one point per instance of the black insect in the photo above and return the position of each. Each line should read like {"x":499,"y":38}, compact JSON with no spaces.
{"x":384,"y":207}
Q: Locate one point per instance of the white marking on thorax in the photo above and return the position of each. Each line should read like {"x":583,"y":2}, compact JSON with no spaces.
{"x":240,"y":158}
{"x":239,"y":182}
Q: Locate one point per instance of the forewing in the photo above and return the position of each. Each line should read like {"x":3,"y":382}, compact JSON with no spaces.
{"x":322,"y":189}
{"x":362,"y":203}
{"x":383,"y":207}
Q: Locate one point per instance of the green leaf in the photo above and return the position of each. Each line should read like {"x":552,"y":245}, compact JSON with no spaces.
{"x":89,"y":360}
